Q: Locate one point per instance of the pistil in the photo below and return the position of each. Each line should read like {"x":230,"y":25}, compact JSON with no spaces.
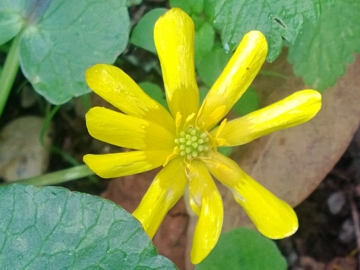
{"x":193,"y":143}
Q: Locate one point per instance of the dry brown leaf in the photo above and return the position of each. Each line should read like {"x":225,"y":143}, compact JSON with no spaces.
{"x":292,"y":162}
{"x":348,"y":263}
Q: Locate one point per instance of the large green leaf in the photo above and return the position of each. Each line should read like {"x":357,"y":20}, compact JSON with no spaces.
{"x":61,"y":38}
{"x":54,"y":228}
{"x":10,"y":21}
{"x":277,"y":19}
{"x":321,"y":52}
{"x":244,"y":249}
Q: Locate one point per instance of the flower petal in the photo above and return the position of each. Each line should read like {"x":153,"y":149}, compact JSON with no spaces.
{"x":291,"y":111}
{"x":166,"y":189}
{"x":127,"y":131}
{"x":127,"y":163}
{"x":174,"y":41}
{"x":117,"y":88}
{"x":234,"y":80}
{"x":206,"y":202}
{"x":273,"y":217}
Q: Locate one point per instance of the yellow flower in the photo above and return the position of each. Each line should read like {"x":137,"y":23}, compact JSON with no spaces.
{"x":185,"y":140}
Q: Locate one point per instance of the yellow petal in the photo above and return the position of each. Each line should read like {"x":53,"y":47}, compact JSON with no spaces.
{"x":174,"y":42}
{"x":127,"y":131}
{"x":206,"y":202}
{"x":291,"y":111}
{"x":166,"y":189}
{"x":273,"y":217}
{"x":127,"y":163}
{"x":234,"y":80}
{"x":117,"y":88}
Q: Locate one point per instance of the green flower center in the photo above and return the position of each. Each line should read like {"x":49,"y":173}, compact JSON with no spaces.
{"x":193,"y":143}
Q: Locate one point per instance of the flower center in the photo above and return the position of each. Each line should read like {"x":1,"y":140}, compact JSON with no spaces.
{"x":193,"y":143}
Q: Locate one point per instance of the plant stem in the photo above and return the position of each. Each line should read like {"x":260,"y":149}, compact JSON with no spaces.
{"x":58,"y":177}
{"x":9,"y":72}
{"x":273,"y":74}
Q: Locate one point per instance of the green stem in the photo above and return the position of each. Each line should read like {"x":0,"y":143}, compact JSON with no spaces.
{"x":273,"y":74}
{"x":9,"y":72}
{"x":58,"y":177}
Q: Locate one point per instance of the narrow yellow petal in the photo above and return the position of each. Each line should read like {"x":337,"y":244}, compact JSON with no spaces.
{"x":273,"y":217}
{"x":291,"y":111}
{"x":166,"y":189}
{"x":174,"y":42}
{"x":127,"y":131}
{"x":127,"y":163}
{"x":234,"y":80}
{"x":117,"y":88}
{"x":206,"y":202}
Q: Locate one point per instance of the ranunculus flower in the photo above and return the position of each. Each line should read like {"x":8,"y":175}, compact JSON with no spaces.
{"x":184,"y":141}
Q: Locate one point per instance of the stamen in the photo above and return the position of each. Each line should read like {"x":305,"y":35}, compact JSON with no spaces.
{"x":193,"y":143}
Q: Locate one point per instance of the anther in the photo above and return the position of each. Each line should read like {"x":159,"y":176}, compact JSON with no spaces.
{"x":193,"y":143}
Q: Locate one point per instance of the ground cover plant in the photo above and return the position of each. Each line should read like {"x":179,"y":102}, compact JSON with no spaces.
{"x":161,"y":97}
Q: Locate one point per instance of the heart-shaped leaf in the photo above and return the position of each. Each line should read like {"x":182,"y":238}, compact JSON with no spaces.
{"x":54,"y":228}
{"x":61,"y":38}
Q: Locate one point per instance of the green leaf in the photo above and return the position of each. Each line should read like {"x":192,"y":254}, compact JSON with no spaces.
{"x":61,"y":38}
{"x":10,"y":23}
{"x":143,"y":33}
{"x":212,"y":64}
{"x":133,"y":2}
{"x":155,"y":92}
{"x":189,"y":6}
{"x":54,"y":228}
{"x":321,"y":52}
{"x":204,"y":40}
{"x":276,"y":19}
{"x":244,"y":249}
{"x":248,"y":102}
